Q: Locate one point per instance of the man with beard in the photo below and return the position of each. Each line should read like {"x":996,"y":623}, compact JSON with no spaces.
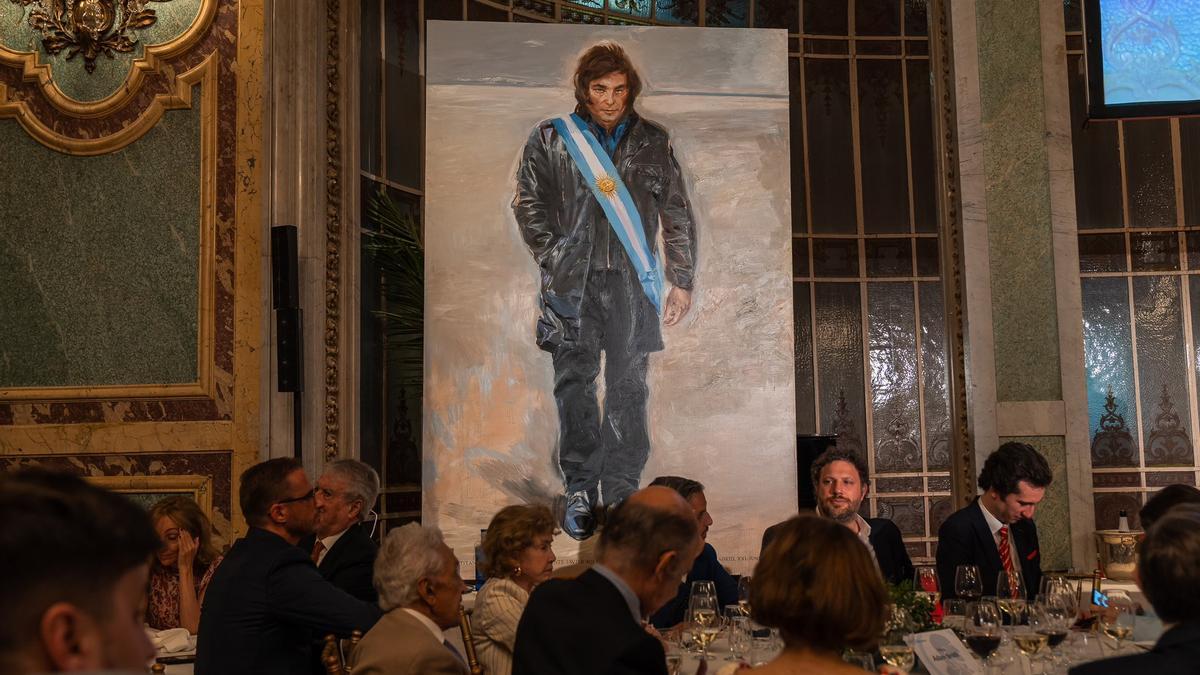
{"x":841,"y":483}
{"x":267,"y":600}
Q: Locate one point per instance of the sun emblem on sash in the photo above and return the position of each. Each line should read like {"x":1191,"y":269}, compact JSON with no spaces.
{"x":606,"y":185}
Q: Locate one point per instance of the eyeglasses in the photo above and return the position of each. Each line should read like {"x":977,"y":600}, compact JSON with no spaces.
{"x":302,"y":498}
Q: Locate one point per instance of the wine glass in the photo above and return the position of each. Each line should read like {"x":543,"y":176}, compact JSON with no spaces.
{"x":983,"y":629}
{"x":967,"y":583}
{"x":743,"y":591}
{"x":954,"y":615}
{"x":738,"y":631}
{"x":702,"y":610}
{"x":1010,"y":596}
{"x":925,"y":583}
{"x":864,"y":660}
{"x":1050,"y":617}
{"x":1117,"y":619}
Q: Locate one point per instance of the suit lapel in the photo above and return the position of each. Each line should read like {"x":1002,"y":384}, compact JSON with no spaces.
{"x":983,"y":534}
{"x":334,"y":555}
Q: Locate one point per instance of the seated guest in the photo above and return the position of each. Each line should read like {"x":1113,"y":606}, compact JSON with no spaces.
{"x":267,"y":601}
{"x":1169,"y":575}
{"x":817,"y":584}
{"x":593,"y":624}
{"x":74,"y":560}
{"x":841,"y":483}
{"x":1164,"y":500}
{"x":706,"y":568}
{"x":420,"y":592}
{"x":183,"y":567}
{"x":518,"y":558}
{"x":341,"y":546}
{"x":996,"y":531}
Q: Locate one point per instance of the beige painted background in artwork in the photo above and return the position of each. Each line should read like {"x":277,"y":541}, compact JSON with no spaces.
{"x":721,"y":406}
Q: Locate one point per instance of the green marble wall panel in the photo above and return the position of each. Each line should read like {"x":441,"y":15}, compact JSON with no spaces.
{"x":1024,"y":310}
{"x":173,"y":18}
{"x":99,"y":259}
{"x":1053,"y":515}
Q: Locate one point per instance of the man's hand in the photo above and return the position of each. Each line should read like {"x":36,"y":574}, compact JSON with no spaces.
{"x":679,"y":302}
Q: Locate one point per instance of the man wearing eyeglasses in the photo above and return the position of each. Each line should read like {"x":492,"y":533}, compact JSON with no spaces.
{"x":261,"y":613}
{"x":341,"y":546}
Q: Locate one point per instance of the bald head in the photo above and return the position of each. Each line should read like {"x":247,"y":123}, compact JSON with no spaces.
{"x":650,"y":522}
{"x":659,"y":497}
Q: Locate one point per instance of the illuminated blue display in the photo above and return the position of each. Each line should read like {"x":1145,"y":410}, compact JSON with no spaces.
{"x":1151,"y":50}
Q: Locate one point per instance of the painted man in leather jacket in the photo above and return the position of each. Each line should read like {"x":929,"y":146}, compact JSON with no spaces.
{"x":592,"y":300}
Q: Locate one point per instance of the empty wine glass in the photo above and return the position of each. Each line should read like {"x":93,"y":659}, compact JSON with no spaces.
{"x":967,"y":582}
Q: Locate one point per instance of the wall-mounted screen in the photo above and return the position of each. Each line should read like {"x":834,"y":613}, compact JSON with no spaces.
{"x":1143,"y":57}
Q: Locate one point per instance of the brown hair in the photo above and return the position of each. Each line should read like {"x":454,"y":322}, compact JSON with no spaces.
{"x":818,"y":585}
{"x":186,"y":515}
{"x":264,"y":484}
{"x":600,"y":60}
{"x":511,"y":531}
{"x":1169,"y":564}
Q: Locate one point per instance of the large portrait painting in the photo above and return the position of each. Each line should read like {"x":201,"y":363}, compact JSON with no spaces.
{"x":608,"y":276}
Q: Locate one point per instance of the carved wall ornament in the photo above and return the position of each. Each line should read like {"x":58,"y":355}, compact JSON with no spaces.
{"x":1168,"y":443}
{"x":1112,"y":444}
{"x":898,"y":450}
{"x":90,"y":27}
{"x":843,"y":427}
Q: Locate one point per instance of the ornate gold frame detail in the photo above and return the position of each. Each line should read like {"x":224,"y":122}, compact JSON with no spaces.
{"x":199,"y":488}
{"x":333,"y":225}
{"x":204,"y":75}
{"x":962,"y":459}
{"x":153,"y":60}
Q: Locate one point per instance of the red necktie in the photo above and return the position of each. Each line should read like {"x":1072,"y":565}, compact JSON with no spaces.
{"x":316,"y":552}
{"x":1005,"y":551}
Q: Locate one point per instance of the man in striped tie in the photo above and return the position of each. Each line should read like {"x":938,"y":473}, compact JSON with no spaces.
{"x":996,"y":532}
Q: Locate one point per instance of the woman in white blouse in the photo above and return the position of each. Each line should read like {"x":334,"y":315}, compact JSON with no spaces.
{"x":518,"y":557}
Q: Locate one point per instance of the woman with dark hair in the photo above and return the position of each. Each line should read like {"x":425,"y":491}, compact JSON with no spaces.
{"x":518,"y":558}
{"x":180,"y":572}
{"x":816,"y":583}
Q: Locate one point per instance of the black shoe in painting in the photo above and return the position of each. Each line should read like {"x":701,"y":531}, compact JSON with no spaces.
{"x":578,"y":522}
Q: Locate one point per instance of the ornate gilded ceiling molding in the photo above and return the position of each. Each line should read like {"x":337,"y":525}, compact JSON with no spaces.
{"x":156,"y":61}
{"x":204,"y":75}
{"x":333,"y":224}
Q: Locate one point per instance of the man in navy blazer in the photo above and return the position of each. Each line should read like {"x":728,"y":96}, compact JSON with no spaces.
{"x":592,"y":625}
{"x":1168,"y":572}
{"x":341,"y":546}
{"x":840,"y":482}
{"x":1014,"y":480}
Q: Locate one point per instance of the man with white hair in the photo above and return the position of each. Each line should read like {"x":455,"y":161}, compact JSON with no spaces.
{"x":420,"y":592}
{"x":342,"y":548}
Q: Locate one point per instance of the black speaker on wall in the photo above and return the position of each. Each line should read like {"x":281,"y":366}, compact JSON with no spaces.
{"x":808,"y":448}
{"x":285,"y":298}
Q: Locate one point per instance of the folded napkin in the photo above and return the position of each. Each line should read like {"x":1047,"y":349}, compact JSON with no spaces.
{"x":172,"y":640}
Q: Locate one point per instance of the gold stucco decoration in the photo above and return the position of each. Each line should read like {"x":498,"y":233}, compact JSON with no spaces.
{"x":90,"y":28}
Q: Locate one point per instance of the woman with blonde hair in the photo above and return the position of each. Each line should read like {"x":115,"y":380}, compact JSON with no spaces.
{"x":180,"y":572}
{"x":817,"y":583}
{"x":518,"y":558}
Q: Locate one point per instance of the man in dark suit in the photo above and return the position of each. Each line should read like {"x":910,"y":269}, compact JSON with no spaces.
{"x":267,"y":600}
{"x":840,"y":482}
{"x":341,"y":546}
{"x":592,"y":625}
{"x":996,"y":531}
{"x":1169,"y":575}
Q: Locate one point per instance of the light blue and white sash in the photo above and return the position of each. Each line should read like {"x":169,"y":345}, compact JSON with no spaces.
{"x":606,"y":184}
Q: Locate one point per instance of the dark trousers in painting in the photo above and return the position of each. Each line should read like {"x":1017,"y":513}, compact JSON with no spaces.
{"x":607,"y":448}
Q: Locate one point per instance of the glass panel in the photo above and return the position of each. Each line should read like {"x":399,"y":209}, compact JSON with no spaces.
{"x":878,"y":47}
{"x":1193,"y":250}
{"x":1164,"y":478}
{"x":838,"y":336}
{"x":777,"y":14}
{"x":731,"y":13}
{"x":1109,"y":506}
{"x":935,"y":375}
{"x":818,"y":46}
{"x":939,"y":484}
{"x":799,"y":257}
{"x":676,"y":11}
{"x":1163,"y":388}
{"x":889,"y":257}
{"x":805,"y":391}
{"x":928,"y":257}
{"x":370,"y":84}
{"x":1154,"y":251}
{"x":403,"y":116}
{"x":924,"y":162}
{"x":477,"y":11}
{"x":1074,"y":43}
{"x":451,"y":10}
{"x":1189,"y":154}
{"x":908,"y":513}
{"x":835,"y":257}
{"x":1117,"y":480}
{"x":1073,"y":14}
{"x":916,"y":17}
{"x":1194,"y":300}
{"x":826,"y":17}
{"x":1102,"y":253}
{"x":371,"y":350}
{"x":571,"y":15}
{"x":543,"y":8}
{"x":916,"y":47}
{"x":1108,"y":366}
{"x":827,"y":103}
{"x":892,"y":340}
{"x":940,"y":508}
{"x":908,"y":484}
{"x":1150,"y":173}
{"x":1097,"y":158}
{"x":881,"y":139}
{"x":796,"y":148}
{"x":876,"y":17}
{"x":641,"y":8}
